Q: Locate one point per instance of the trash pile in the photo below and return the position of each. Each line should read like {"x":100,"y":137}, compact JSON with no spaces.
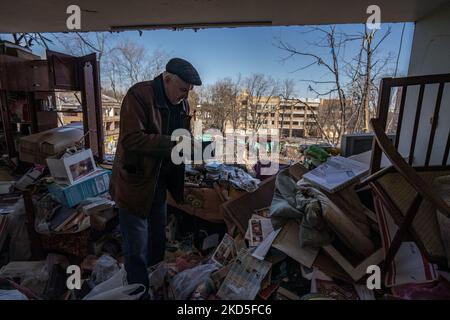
{"x":283,"y":238}
{"x":205,"y":175}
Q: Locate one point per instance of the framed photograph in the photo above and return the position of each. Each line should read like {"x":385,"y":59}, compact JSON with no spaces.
{"x":72,"y":168}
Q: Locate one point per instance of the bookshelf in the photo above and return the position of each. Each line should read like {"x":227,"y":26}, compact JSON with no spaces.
{"x":27,"y":96}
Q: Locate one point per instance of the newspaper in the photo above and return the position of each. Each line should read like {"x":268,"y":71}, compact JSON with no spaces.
{"x":243,"y":282}
{"x":259,"y":230}
{"x":247,"y":232}
{"x":225,"y":251}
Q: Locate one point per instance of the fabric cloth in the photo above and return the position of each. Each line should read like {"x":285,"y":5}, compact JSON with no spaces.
{"x":302,"y":203}
{"x":144,"y":142}
{"x":174,"y":120}
{"x":144,"y":239}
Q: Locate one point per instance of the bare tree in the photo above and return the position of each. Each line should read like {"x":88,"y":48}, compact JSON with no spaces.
{"x":365,"y":71}
{"x":130,"y":62}
{"x":27,"y":40}
{"x":350,"y":85}
{"x":219,"y":104}
{"x":287,"y":91}
{"x":333,"y":41}
{"x":233,"y":91}
{"x":260,"y":90}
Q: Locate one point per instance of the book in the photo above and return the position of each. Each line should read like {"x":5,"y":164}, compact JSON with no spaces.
{"x":63,"y":216}
{"x":337,"y":173}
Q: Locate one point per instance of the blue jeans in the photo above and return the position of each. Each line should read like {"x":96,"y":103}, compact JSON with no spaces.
{"x":144,"y":239}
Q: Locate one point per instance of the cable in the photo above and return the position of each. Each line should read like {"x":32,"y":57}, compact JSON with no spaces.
{"x":399,"y":49}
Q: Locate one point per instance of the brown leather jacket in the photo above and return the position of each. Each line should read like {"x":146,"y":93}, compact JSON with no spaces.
{"x":143,"y":144}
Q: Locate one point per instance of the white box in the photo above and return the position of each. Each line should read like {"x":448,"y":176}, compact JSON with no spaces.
{"x":73,"y":168}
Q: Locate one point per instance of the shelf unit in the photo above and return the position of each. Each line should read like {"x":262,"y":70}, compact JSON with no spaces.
{"x":34,"y":83}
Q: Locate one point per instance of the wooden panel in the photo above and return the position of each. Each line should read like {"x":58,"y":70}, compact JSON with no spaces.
{"x":416,"y":124}
{"x":428,"y":79}
{"x":447,"y":149}
{"x":425,"y":224}
{"x":26,"y":76}
{"x":64,"y":71}
{"x":434,"y":123}
{"x":38,"y":76}
{"x":382,"y":112}
{"x":17,"y":76}
{"x":400,"y":115}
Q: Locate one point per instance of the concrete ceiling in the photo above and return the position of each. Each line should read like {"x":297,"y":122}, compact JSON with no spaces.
{"x":105,"y":15}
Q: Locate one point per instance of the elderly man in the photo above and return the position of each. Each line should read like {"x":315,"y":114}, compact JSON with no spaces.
{"x":143,"y":170}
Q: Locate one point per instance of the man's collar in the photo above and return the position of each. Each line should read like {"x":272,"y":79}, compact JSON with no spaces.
{"x":160,"y":97}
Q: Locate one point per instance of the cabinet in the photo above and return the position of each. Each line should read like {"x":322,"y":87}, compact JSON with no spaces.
{"x":27,"y":97}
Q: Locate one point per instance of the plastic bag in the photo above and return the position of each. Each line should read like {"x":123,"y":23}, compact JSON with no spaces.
{"x":104,"y":269}
{"x":156,"y":278}
{"x":128,"y":292}
{"x":12,"y":295}
{"x":20,"y":246}
{"x":36,"y":280}
{"x":184,"y":283}
{"x":119,"y":279}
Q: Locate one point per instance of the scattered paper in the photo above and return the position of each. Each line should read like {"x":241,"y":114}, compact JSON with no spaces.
{"x":314,"y":273}
{"x":259,"y":230}
{"x":225,"y":251}
{"x":287,"y":242}
{"x":243,"y":282}
{"x":264,"y":212}
{"x":335,"y":291}
{"x":247,"y":232}
{"x":261,"y":251}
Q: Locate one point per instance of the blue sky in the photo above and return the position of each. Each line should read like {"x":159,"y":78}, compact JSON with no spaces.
{"x":225,"y":52}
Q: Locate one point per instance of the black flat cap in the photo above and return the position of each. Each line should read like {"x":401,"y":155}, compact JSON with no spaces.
{"x":184,"y":70}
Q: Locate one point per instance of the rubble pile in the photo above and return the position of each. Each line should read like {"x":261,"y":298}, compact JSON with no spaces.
{"x":283,"y":238}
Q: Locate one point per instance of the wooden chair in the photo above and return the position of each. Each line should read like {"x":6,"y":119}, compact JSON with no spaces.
{"x":405,"y":188}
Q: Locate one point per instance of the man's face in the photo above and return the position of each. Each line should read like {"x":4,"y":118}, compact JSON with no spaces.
{"x":176,"y":89}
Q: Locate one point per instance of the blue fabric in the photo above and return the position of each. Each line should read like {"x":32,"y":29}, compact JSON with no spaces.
{"x":144,"y":239}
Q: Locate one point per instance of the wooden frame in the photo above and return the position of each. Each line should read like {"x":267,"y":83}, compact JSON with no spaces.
{"x":382,"y":145}
{"x":59,"y":72}
{"x":386,"y":86}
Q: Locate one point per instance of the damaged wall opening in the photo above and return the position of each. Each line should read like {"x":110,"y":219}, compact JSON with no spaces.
{"x":310,"y":230}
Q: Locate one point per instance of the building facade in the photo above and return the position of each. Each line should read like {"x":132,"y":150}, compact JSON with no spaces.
{"x":70,"y":111}
{"x":290,"y":118}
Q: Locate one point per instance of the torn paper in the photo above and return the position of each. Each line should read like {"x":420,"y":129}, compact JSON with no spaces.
{"x":243,"y":282}
{"x":225,"y":251}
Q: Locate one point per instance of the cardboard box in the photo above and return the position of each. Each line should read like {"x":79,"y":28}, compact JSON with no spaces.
{"x":72,"y":168}
{"x":36,"y":148}
{"x":94,"y":184}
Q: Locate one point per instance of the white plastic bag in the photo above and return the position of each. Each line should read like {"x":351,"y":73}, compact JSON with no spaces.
{"x":120,"y":293}
{"x":119,"y":279}
{"x":185,"y":282}
{"x":105,"y":267}
{"x":156,"y":278}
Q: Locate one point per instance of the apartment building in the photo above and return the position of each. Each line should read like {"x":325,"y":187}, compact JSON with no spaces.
{"x":70,"y":111}
{"x":290,"y":118}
